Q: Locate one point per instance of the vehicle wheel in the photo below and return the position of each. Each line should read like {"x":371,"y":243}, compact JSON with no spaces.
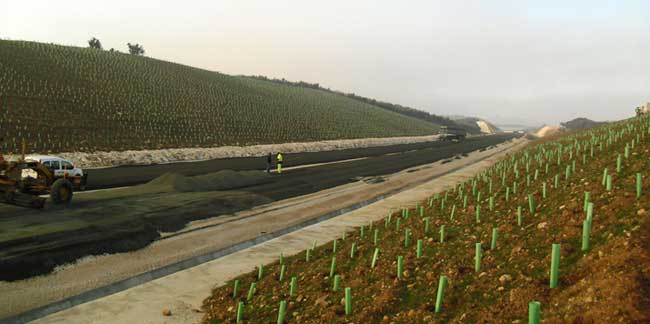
{"x":61,"y":191}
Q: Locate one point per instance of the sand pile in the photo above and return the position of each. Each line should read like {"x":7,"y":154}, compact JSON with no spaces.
{"x":548,"y":131}
{"x":485,"y":127}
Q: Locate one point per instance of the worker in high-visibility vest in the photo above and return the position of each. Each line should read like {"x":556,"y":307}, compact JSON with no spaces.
{"x":279,"y":159}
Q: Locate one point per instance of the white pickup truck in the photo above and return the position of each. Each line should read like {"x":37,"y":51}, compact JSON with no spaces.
{"x":62,"y":168}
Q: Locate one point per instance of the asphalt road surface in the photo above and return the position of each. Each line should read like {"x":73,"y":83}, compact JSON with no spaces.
{"x":136,"y":174}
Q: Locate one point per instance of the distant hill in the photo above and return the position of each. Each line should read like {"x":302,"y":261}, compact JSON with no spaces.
{"x":580,"y":123}
{"x":62,"y":98}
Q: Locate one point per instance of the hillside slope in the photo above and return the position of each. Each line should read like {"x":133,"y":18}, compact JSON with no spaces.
{"x":451,"y":124}
{"x":62,"y":98}
{"x":561,"y":226}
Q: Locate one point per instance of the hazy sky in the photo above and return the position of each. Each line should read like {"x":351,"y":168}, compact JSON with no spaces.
{"x":508,"y":61}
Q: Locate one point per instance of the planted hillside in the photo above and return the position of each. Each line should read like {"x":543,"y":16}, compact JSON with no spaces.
{"x":61,"y":98}
{"x":557,"y":233}
{"x":471,"y":127}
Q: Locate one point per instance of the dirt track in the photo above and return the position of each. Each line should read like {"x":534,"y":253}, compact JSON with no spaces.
{"x":34,"y":242}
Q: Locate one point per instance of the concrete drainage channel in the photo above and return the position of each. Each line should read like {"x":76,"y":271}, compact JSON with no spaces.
{"x":125,"y":284}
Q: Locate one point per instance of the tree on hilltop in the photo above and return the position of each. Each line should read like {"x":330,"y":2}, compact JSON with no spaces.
{"x":95,"y":43}
{"x":135,"y":49}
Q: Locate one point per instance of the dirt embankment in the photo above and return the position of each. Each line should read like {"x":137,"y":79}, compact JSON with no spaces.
{"x":115,"y":158}
{"x":495,"y":249}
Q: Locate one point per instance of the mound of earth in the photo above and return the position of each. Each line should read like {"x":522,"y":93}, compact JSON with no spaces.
{"x":548,"y":131}
{"x":222,"y":180}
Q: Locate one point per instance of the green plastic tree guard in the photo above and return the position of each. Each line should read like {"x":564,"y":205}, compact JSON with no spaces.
{"x":374,"y":258}
{"x":555,"y":265}
{"x":292,"y":286}
{"x":609,"y":183}
{"x":442,"y":285}
{"x":240,"y":311}
{"x":235,"y":288}
{"x":400,"y":266}
{"x":333,"y":267}
{"x":282,"y":311}
{"x":590,"y":212}
{"x":337,"y":283}
{"x":407,"y":237}
{"x":348,"y":301}
{"x":533,"y":312}
{"x":477,"y":257}
{"x":251,"y":291}
{"x":585,"y":235}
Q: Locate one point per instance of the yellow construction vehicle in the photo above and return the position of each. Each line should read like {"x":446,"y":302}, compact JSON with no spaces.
{"x":22,"y":183}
